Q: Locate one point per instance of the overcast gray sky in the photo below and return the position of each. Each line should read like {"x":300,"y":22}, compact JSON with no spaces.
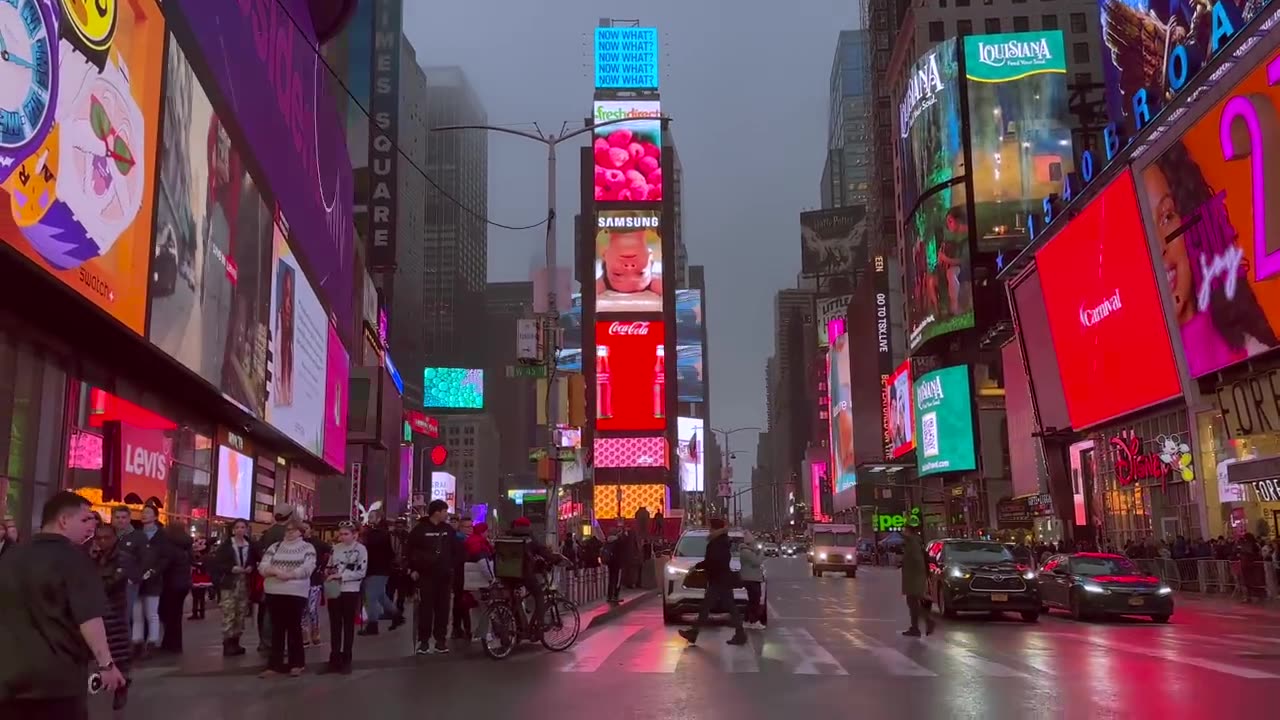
{"x":748,"y":95}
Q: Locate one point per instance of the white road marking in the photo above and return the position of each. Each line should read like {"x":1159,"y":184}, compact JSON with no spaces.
{"x":738,"y":658}
{"x":796,"y":644}
{"x":773,"y":610}
{"x":660,"y":653}
{"x":1172,"y":656}
{"x":592,"y":652}
{"x":982,"y":665}
{"x":892,"y":660}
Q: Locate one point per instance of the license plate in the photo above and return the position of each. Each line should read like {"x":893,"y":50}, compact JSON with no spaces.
{"x":999,"y":597}
{"x":1136,"y":601}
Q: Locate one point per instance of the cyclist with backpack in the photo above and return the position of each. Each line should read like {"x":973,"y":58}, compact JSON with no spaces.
{"x":536,"y":556}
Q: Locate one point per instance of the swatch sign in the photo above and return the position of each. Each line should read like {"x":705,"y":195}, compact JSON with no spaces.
{"x":290,"y":122}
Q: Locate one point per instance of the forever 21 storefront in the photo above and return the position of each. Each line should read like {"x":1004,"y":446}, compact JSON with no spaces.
{"x":177,"y":295}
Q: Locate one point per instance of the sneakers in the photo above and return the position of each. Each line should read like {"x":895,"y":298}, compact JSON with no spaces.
{"x":689,"y":634}
{"x":425,"y":649}
{"x":739,"y":638}
{"x":442,"y":648}
{"x":396,"y":622}
{"x":911,"y":632}
{"x":753,"y":626}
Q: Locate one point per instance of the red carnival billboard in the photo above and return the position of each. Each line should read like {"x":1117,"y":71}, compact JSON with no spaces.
{"x":1104,"y":311}
{"x":630,"y":375}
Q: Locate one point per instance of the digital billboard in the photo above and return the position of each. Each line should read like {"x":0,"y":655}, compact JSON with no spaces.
{"x":830,"y":240}
{"x":627,"y":58}
{"x":447,"y":388}
{"x":1139,"y":36}
{"x":628,"y":155}
{"x":628,"y":266}
{"x":1103,"y":303}
{"x":930,"y":141}
{"x":336,"y":389}
{"x":938,"y":268}
{"x":689,"y":450}
{"x":1210,"y":199}
{"x":902,"y":437}
{"x":690,"y":382}
{"x":630,"y":376}
{"x":826,"y":309}
{"x":1019,"y":130}
{"x":78,"y":137}
{"x":637,"y":452}
{"x":844,"y":473}
{"x":299,"y":352}
{"x":569,"y":355}
{"x":944,"y":421}
{"x":689,"y":329}
{"x":444,"y":486}
{"x":213,"y":269}
{"x":235,"y":484}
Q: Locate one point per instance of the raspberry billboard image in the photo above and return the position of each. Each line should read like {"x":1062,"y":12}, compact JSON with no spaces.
{"x":628,"y":155}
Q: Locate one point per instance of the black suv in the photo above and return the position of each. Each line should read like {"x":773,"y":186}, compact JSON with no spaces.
{"x":980,"y":576}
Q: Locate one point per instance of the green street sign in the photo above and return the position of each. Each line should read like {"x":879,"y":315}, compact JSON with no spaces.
{"x":944,"y":421}
{"x":527,"y":371}
{"x":1003,"y":57}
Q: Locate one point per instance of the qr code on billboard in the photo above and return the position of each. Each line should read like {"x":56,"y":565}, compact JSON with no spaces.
{"x":929,"y":434}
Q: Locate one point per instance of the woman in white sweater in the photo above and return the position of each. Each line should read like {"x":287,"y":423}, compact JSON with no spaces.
{"x":347,"y":564}
{"x":286,"y":569}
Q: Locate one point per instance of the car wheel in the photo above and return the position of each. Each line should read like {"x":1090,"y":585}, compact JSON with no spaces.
{"x":851,"y":573}
{"x":944,"y":604}
{"x":1030,"y":616}
{"x":1160,"y":619}
{"x":1078,"y":612}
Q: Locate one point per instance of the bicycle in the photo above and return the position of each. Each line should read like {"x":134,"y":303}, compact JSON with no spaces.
{"x":509,"y":611}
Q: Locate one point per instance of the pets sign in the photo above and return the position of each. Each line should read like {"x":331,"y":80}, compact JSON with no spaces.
{"x":626,"y":58}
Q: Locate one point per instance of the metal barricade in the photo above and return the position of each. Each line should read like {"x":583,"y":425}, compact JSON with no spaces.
{"x":582,"y":585}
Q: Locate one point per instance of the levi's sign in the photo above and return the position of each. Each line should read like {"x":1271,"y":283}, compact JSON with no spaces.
{"x":627,"y":58}
{"x":1011,"y":56}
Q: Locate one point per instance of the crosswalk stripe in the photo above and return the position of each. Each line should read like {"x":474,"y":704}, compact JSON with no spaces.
{"x":982,"y":665}
{"x":892,"y":660}
{"x":1171,"y":656}
{"x":798,"y":644}
{"x":661,"y":656}
{"x":738,"y":659}
{"x":591,"y":652}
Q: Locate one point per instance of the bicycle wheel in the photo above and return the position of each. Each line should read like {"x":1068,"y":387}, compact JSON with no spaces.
{"x":501,"y":638}
{"x":561,"y":624}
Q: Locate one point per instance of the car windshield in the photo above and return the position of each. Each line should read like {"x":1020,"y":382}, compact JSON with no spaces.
{"x":978,"y":553}
{"x":1094,"y":566}
{"x":695,"y":546}
{"x":826,"y":539}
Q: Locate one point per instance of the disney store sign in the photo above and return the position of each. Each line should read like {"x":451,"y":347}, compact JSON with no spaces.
{"x":1168,"y":457}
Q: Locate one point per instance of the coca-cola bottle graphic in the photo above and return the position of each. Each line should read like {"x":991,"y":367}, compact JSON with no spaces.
{"x":604,"y":384}
{"x":660,"y":382}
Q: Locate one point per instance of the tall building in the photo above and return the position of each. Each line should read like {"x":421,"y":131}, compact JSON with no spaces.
{"x":473,"y":442}
{"x":791,"y":396}
{"x":767,"y":493}
{"x":846,"y":175}
{"x":511,"y":401}
{"x":456,"y":240}
{"x":406,"y":339}
{"x":677,"y":203}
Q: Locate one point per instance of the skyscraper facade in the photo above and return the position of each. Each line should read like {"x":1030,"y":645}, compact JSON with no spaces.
{"x":846,"y":175}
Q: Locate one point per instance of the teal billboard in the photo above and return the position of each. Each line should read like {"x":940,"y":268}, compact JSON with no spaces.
{"x":944,"y":421}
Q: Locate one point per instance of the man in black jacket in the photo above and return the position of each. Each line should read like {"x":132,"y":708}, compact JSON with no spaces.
{"x":431,"y":550}
{"x":720,"y":581}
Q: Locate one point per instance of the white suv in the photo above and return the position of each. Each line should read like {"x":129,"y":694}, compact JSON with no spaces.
{"x":683,"y":587}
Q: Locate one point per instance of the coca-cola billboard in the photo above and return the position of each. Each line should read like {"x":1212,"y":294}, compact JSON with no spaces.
{"x":631,"y":377}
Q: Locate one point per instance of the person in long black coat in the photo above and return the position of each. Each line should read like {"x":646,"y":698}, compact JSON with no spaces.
{"x":115,"y":568}
{"x":177,"y":584}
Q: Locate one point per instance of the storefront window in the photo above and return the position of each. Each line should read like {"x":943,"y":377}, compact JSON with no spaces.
{"x":1234,"y":509}
{"x":1143,"y":494}
{"x":31,"y":402}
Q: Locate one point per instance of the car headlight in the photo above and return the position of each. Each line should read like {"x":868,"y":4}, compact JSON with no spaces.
{"x":676,"y":570}
{"x":959,"y":573}
{"x":822,"y":556}
{"x":848,"y":557}
{"x":1029,"y":575}
{"x":1164,"y":590}
{"x":1092,"y":587}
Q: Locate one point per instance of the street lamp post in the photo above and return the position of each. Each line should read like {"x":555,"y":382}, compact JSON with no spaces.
{"x":552,"y":141}
{"x":728,"y":459}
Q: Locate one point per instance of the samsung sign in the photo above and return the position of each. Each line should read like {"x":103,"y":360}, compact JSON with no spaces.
{"x":627,"y":58}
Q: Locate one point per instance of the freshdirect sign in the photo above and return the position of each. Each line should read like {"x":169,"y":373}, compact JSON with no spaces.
{"x":627,"y":58}
{"x":1104,"y":310}
{"x":1012,"y":56}
{"x":944,"y":421}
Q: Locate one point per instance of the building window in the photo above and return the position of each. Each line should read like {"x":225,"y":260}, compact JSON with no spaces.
{"x":937,"y":31}
{"x":1079,"y":23}
{"x":962,"y":3}
{"x":992,"y":25}
{"x":1049,"y":22}
{"x":1080,"y":52}
{"x":1021,"y":23}
{"x":964,"y":27}
{"x":1084,"y":78}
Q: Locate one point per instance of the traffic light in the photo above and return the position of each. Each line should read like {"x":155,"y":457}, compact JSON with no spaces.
{"x":439,"y":455}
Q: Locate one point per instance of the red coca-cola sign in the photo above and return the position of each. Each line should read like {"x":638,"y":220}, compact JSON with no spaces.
{"x":629,"y":328}
{"x":630,"y":376}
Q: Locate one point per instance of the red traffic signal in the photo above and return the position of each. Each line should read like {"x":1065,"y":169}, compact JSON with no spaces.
{"x":439,"y":455}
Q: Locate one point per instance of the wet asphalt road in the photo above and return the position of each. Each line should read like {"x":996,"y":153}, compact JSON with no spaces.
{"x":832,"y":647}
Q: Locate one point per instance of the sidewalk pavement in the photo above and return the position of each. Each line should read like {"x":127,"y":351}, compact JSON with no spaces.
{"x":202,"y":653}
{"x":1228,"y":606}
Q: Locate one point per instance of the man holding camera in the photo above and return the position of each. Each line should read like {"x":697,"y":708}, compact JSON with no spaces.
{"x":51,"y":607}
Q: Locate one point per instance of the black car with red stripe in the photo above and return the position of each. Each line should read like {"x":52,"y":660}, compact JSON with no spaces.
{"x":1097,"y":584}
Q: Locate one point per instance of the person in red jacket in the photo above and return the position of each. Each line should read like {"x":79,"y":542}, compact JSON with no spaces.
{"x":201,"y":582}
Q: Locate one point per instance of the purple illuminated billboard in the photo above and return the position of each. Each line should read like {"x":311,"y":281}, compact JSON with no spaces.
{"x":291,"y":124}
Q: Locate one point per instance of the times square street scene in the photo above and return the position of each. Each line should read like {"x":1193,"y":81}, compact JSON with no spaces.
{"x":354,"y":360}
